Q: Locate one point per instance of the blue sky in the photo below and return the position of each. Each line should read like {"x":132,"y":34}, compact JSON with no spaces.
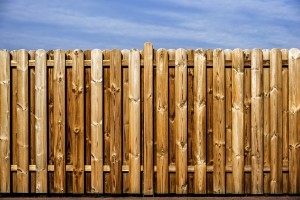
{"x":126,"y":24}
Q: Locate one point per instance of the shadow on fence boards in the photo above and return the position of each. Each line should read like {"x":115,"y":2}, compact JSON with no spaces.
{"x":150,"y":121}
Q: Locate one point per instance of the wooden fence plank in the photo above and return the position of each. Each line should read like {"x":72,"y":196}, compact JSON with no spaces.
{"x":209,"y":123}
{"x":266,"y":130}
{"x":228,"y":121}
{"x":59,"y":120}
{"x":257,"y":124}
{"x":294,"y":121}
{"x":97,"y":121}
{"x":32,"y":135}
{"x":41,"y":121}
{"x":22,"y":123}
{"x":199,"y":123}
{"x":238,"y":121}
{"x":125,"y":56}
{"x":77,"y":121}
{"x":50,"y":134}
{"x":148,"y":119}
{"x":161,"y":98}
{"x":247,"y":120}
{"x":5,"y":114}
{"x":172,"y":138}
{"x":134,"y":121}
{"x":181,"y":120}
{"x":276,"y":121}
{"x":116,"y":123}
{"x":87,"y":122}
{"x":219,"y":121}
{"x":285,"y":122}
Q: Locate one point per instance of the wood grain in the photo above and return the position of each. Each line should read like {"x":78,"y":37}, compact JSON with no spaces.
{"x":238,"y":121}
{"x":257,"y":124}
{"x":41,"y":121}
{"x":148,"y":119}
{"x":77,"y":121}
{"x":5,"y":115}
{"x":161,"y":99}
{"x":59,"y":120}
{"x":219,"y":121}
{"x":97,"y":121}
{"x":22,"y":123}
{"x":134,"y":95}
{"x":181,"y":120}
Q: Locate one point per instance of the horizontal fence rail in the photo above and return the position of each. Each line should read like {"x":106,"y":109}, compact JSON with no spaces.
{"x":150,"y":121}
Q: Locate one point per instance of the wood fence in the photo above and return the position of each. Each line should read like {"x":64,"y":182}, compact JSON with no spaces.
{"x":150,"y":122}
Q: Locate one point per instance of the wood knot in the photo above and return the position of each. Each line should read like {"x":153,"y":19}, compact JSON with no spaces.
{"x":77,"y":130}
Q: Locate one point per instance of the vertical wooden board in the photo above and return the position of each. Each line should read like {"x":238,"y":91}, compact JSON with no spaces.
{"x":14,"y":153}
{"x":148,"y":120}
{"x":238,"y":121}
{"x":228,"y":121}
{"x":199,"y":122}
{"x":247,"y":120}
{"x":87,"y":117}
{"x":257,"y":123}
{"x":107,"y":136}
{"x":285,"y":122}
{"x":209,"y":123}
{"x":116,"y":123}
{"x":32,"y":136}
{"x":172,"y":144}
{"x":59,"y":120}
{"x":134,"y":121}
{"x":5,"y":114}
{"x":219,"y":121}
{"x":50,"y":130}
{"x":266,"y":130}
{"x":161,"y":98}
{"x":190,"y":117}
{"x":41,"y":121}
{"x":181,"y":120}
{"x":294,"y":136}
{"x":77,"y":120}
{"x":125,"y":121}
{"x":97,"y":121}
{"x":69,"y":116}
{"x":22,"y":123}
{"x":276,"y":121}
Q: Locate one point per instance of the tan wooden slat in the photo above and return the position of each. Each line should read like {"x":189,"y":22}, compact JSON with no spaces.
{"x":59,"y":118}
{"x":115,"y":119}
{"x":181,"y":120}
{"x":77,"y":121}
{"x":276,"y":120}
{"x":172,"y":138}
{"x":199,"y":122}
{"x":161,"y":98}
{"x":41,"y":121}
{"x":87,"y":122}
{"x":96,"y":121}
{"x":5,"y":129}
{"x":257,"y":124}
{"x":22,"y":123}
{"x":148,"y":119}
{"x":228,"y":121}
{"x":134,"y":121}
{"x":238,"y":121}
{"x":266,"y":130}
{"x":285,"y":122}
{"x":247,"y":120}
{"x":294,"y":121}
{"x":125,"y":114}
{"x":209,"y":130}
{"x":219,"y":121}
